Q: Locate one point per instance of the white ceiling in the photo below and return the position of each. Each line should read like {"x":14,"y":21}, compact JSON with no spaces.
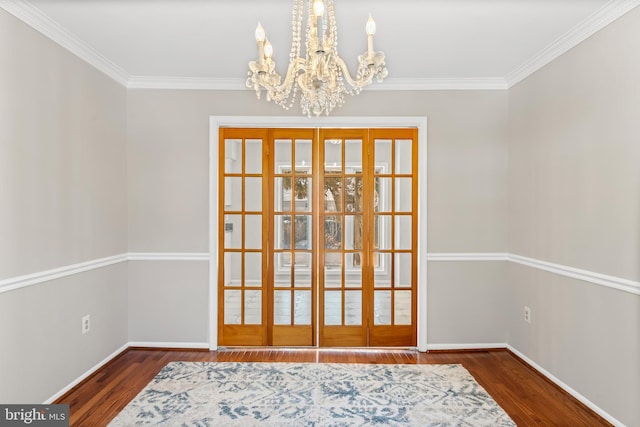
{"x":213,"y":40}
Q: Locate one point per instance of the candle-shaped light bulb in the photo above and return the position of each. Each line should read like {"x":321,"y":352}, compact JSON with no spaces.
{"x":268,"y":49}
{"x":260,"y":35}
{"x":371,"y":26}
{"x":371,"y":30}
{"x":318,"y":11}
{"x":260,"y":38}
{"x":318,"y":8}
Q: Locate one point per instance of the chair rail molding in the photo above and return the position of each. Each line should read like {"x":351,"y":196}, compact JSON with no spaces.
{"x":13,"y":283}
{"x":625,"y":285}
{"x":612,"y":282}
{"x":18,"y":282}
{"x":168,"y":256}
{"x":476,"y":256}
{"x":618,"y":283}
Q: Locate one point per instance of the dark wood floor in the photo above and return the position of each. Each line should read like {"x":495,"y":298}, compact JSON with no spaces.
{"x":528,"y":398}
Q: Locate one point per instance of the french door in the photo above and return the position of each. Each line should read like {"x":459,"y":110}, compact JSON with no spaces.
{"x":318,"y":237}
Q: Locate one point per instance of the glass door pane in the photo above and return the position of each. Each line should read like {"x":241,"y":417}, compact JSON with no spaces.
{"x":293,"y":274}
{"x":242,"y":288}
{"x":395,"y":231}
{"x":343,"y":319}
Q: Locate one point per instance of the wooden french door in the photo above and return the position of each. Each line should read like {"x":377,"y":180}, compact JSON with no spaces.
{"x":318,"y":237}
{"x":343,"y":251}
{"x":293,"y":235}
{"x":243,"y":230}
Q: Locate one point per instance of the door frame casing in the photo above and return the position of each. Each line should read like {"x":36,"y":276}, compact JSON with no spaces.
{"x":216,"y":122}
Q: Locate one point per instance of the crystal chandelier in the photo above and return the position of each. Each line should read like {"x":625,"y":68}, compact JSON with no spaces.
{"x":321,"y":74}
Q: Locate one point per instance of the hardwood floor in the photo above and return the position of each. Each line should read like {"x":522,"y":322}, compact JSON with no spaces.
{"x":528,"y":398}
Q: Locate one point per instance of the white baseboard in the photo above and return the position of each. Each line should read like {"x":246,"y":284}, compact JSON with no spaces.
{"x":566,"y":388}
{"x":460,"y":347}
{"x":189,"y":345}
{"x":84,"y":376}
{"x":535,"y":366}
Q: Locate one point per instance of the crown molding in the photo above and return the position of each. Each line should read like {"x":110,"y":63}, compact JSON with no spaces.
{"x":604,"y":16}
{"x":36,"y":19}
{"x":186,"y":83}
{"x":457,"y":83}
{"x":39,"y":21}
{"x":398,"y":84}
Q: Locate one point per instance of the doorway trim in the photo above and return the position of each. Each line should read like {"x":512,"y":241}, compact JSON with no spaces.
{"x":216,"y":122}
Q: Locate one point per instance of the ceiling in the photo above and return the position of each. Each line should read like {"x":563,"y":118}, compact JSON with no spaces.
{"x":143,"y":43}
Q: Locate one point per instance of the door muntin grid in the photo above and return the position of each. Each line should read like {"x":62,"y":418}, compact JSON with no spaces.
{"x":242,"y":188}
{"x":395,"y":219}
{"x":293,"y":241}
{"x":344,"y":200}
{"x":339,"y":212}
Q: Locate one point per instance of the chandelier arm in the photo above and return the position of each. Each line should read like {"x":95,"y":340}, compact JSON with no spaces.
{"x":347,"y":76}
{"x":295,"y":66}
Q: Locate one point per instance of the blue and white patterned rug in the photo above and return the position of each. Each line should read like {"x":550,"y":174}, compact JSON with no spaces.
{"x":307,"y":394}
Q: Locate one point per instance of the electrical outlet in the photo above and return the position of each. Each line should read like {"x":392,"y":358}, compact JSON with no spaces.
{"x":527,"y":314}
{"x":86,"y":324}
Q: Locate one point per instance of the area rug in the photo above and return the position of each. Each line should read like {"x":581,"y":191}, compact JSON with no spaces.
{"x":309,"y":394}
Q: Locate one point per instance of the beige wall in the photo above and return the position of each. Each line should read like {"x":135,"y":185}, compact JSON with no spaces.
{"x":62,"y":201}
{"x":574,"y":199}
{"x":168,"y":133}
{"x":168,"y":302}
{"x":466,"y":303}
{"x":62,"y":156}
{"x":168,"y":152}
{"x":43,"y":349}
